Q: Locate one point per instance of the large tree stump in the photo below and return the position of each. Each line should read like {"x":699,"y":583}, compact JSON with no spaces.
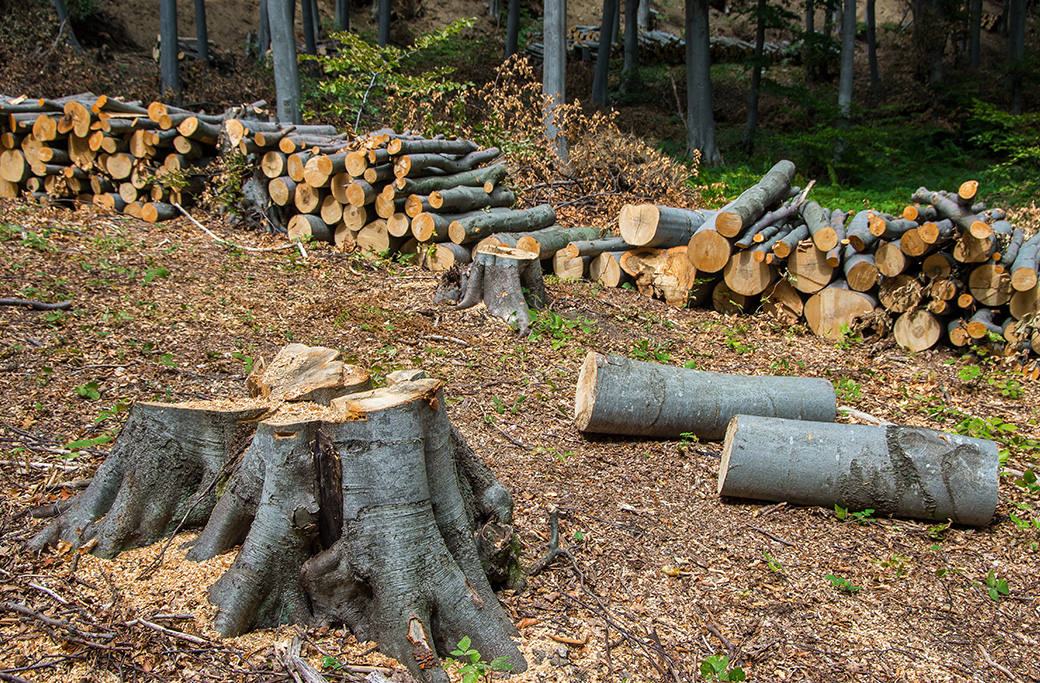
{"x":508,"y":281}
{"x":370,"y":510}
{"x":892,"y":469}
{"x":617,"y":395}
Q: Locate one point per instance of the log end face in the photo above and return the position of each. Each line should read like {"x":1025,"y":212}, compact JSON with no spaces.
{"x":638,"y":223}
{"x":585,"y":394}
{"x":727,"y":447}
{"x":729,"y":223}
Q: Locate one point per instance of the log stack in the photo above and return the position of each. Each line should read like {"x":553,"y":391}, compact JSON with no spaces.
{"x":89,"y":149}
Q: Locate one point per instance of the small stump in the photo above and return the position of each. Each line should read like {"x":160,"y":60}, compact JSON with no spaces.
{"x":508,"y":281}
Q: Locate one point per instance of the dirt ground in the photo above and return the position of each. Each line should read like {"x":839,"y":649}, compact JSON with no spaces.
{"x":665,"y":574}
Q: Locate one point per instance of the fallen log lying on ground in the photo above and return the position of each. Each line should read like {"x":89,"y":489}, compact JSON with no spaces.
{"x":891,"y":469}
{"x":618,"y":395}
{"x":367,"y":508}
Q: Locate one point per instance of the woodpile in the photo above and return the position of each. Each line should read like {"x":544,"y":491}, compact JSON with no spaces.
{"x":947,"y":268}
{"x":121,"y":155}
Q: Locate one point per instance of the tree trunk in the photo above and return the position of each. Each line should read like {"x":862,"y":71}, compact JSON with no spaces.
{"x":342,"y":15}
{"x":872,"y":60}
{"x":630,"y":71}
{"x":891,"y":469}
{"x":310,"y":39}
{"x":848,"y":63}
{"x":606,"y":270}
{"x":384,"y":22}
{"x":547,"y":241}
{"x":263,"y":33}
{"x":809,"y":40}
{"x":664,"y":273}
{"x":512,"y":27}
{"x":202,"y":31}
{"x":554,"y":70}
{"x":646,"y":225}
{"x":286,"y":69}
{"x":1016,"y":52}
{"x":475,"y":225}
{"x":748,"y":139}
{"x":643,"y":19}
{"x":617,"y":395}
{"x":169,"y":65}
{"x":700,"y":119}
{"x":66,"y":25}
{"x":599,"y":81}
{"x":367,"y":509}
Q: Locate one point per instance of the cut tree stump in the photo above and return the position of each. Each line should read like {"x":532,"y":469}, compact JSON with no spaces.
{"x":371,"y":511}
{"x":508,"y":281}
{"x":618,"y":395}
{"x":892,"y":469}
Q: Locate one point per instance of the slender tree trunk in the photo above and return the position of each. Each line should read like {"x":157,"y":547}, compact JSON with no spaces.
{"x":630,"y":72}
{"x":310,"y":40}
{"x":342,"y":15}
{"x":512,"y":27}
{"x":599,"y":81}
{"x":384,"y":22}
{"x":936,"y":17}
{"x":644,"y":15}
{"x":615,"y":25}
{"x":810,"y":35}
{"x":286,"y":70}
{"x":1016,"y":51}
{"x":848,"y":62}
{"x":66,"y":24}
{"x":169,"y":68}
{"x":201,"y":31}
{"x":263,"y":34}
{"x":748,"y":140}
{"x":872,"y":60}
{"x":554,"y":69}
{"x":700,"y":120}
{"x":974,"y":33}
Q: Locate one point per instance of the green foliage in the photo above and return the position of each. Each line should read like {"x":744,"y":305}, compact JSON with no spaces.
{"x":996,"y":587}
{"x":848,"y":390}
{"x":773,"y":563}
{"x":155,"y":273}
{"x":645,"y":350}
{"x":89,"y":391}
{"x":359,"y":69}
{"x":501,"y":407}
{"x":248,"y":360}
{"x":472,"y":666}
{"x":843,"y":584}
{"x":1016,"y":139}
{"x":861,"y":517}
{"x":556,"y":328}
{"x":80,"y":10}
{"x":717,"y":668}
{"x":848,"y":337}
{"x":234,"y":169}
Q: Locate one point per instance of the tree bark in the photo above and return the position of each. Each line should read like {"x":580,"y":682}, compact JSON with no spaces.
{"x":547,"y":241}
{"x":202,"y":31}
{"x":700,"y":119}
{"x":512,"y":27}
{"x":310,"y":39}
{"x":602,"y":73}
{"x":473,"y":226}
{"x":263,"y":32}
{"x":169,"y":65}
{"x":646,"y":225}
{"x":1016,"y":52}
{"x":891,"y":469}
{"x":617,"y":395}
{"x":286,"y":69}
{"x":508,"y":281}
{"x":848,"y":63}
{"x":66,"y":25}
{"x":664,"y":273}
{"x":554,"y":70}
{"x":748,"y":138}
{"x":872,"y":59}
{"x":342,"y":15}
{"x":756,"y":200}
{"x":974,"y":34}
{"x":384,"y":22}
{"x":630,"y":71}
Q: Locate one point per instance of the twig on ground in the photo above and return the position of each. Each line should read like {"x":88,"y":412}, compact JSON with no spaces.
{"x":167,"y":631}
{"x":769,"y":534}
{"x":999,"y":667}
{"x":228,"y":243}
{"x":37,"y":305}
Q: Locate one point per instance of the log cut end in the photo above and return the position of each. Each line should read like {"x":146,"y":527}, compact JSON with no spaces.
{"x":638,"y":223}
{"x":585,"y":394}
{"x":307,"y":373}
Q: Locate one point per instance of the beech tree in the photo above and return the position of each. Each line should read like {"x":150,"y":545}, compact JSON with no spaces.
{"x":1016,"y":51}
{"x":343,"y":15}
{"x":700,"y":120}
{"x":512,"y":27}
{"x":554,"y":69}
{"x":630,"y":72}
{"x":383,"y":11}
{"x":66,"y":25}
{"x":202,"y":31}
{"x":168,"y":66}
{"x":606,"y":30}
{"x":283,"y":49}
{"x":310,"y":34}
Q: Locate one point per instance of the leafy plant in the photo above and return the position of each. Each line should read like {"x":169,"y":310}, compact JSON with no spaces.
{"x":861,"y":517}
{"x":514,"y":407}
{"x":248,"y":360}
{"x":155,"y":273}
{"x":848,"y":390}
{"x":717,"y":668}
{"x":773,"y":563}
{"x":89,"y":391}
{"x":644,"y":349}
{"x":472,"y":666}
{"x":849,"y":337}
{"x":996,"y":587}
{"x":558,"y":329}
{"x":843,"y":584}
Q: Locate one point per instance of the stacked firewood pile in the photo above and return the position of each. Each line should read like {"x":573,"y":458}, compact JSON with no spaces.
{"x":388,"y":193}
{"x":121,"y":155}
{"x":947,"y":268}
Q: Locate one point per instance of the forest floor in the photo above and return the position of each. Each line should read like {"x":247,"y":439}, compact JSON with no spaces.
{"x":666,"y":575}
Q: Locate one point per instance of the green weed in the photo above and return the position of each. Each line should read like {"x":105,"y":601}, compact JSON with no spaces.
{"x":645,"y":350}
{"x":848,"y":390}
{"x":89,"y":391}
{"x":995,"y":587}
{"x":861,"y":517}
{"x":843,"y":584}
{"x":717,"y":668}
{"x":472,"y":666}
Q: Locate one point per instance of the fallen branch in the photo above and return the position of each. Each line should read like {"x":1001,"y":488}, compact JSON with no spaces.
{"x":228,"y":243}
{"x":37,"y":305}
{"x":167,"y":631}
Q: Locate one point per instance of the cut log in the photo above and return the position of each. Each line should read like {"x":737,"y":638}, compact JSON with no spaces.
{"x":306,"y":373}
{"x":473,"y":226}
{"x":775,"y":217}
{"x":663,"y":273}
{"x":307,"y":199}
{"x":833,"y":308}
{"x":861,"y":273}
{"x":465,"y":198}
{"x":605,"y":269}
{"x":618,"y":395}
{"x":399,"y":225}
{"x":773,"y":188}
{"x":331,"y":211}
{"x":708,"y":250}
{"x":782,"y":301}
{"x":990,"y":284}
{"x":727,"y":302}
{"x":431,"y":227}
{"x":891,"y":469}
{"x":153,"y":212}
{"x":438,"y":258}
{"x":783,"y":247}
{"x":547,"y":241}
{"x":307,"y":226}
{"x":901,"y":293}
{"x":808,"y":268}
{"x":568,"y":267}
{"x":1025,"y":304}
{"x":487,"y":178}
{"x":375,"y":239}
{"x":920,"y":213}
{"x":508,"y":281}
{"x":1023,"y":270}
{"x":917,"y":330}
{"x":412,"y":164}
{"x":646,"y":225}
{"x":818,"y":221}
{"x":937,"y":266}
{"x":949,"y":208}
{"x":402,"y":146}
{"x":282,"y":191}
{"x":744,"y":274}
{"x":859,"y":234}
{"x":890,"y":259}
{"x":596,"y":247}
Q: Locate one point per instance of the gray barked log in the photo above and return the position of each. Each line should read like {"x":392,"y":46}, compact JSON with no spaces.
{"x":617,"y":395}
{"x":892,"y":469}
